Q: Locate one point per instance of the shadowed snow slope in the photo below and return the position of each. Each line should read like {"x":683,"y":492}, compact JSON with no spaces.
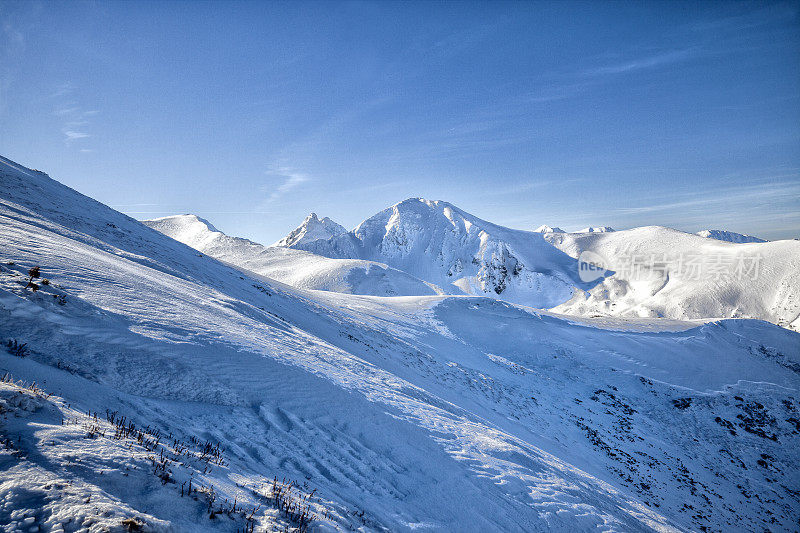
{"x":294,"y":267}
{"x":433,"y":413}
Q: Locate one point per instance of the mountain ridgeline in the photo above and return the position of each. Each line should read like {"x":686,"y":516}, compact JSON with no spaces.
{"x":646,"y":268}
{"x":420,"y":247}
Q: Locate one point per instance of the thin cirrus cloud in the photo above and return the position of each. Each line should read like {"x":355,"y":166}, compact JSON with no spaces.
{"x":653,"y":61}
{"x":72,"y":135}
{"x":291,"y":179}
{"x":74,"y":118}
{"x":749,"y":194}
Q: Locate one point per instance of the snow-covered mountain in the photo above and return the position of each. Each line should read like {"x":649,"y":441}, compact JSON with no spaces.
{"x":730,"y":236}
{"x":177,"y":393}
{"x":662,"y":272}
{"x":652,"y":271}
{"x":547,"y":229}
{"x":443,"y":245}
{"x":312,"y":229}
{"x":596,"y":229}
{"x":294,"y":267}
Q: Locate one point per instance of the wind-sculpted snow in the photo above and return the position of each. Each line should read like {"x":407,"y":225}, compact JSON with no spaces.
{"x":297,"y":268}
{"x":427,"y":412}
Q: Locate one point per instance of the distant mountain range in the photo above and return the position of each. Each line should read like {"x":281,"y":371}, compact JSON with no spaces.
{"x":419,"y":247}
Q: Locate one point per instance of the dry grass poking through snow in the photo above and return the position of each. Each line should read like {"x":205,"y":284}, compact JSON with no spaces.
{"x":66,"y":470}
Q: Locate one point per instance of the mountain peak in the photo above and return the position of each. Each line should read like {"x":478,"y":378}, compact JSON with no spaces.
{"x":547,"y":229}
{"x":597,"y":229}
{"x":312,"y":229}
{"x":189,"y":222}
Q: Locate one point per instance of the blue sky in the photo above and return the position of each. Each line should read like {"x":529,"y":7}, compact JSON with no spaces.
{"x":568,"y":114}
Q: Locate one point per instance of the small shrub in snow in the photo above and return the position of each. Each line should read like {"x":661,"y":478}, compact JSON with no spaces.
{"x":15,"y":348}
{"x":133,"y":524}
{"x":34,"y":274}
{"x":294,"y":508}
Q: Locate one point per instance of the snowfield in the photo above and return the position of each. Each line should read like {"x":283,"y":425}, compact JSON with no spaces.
{"x":283,"y":407}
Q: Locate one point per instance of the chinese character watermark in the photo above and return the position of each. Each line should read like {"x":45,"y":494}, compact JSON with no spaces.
{"x":635,"y":266}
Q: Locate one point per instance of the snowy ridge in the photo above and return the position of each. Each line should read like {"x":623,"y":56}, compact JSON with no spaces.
{"x":451,"y":249}
{"x":427,"y":412}
{"x":662,"y":272}
{"x":294,"y":267}
{"x":547,"y":229}
{"x":730,"y":236}
{"x":596,"y":229}
{"x":443,"y":245}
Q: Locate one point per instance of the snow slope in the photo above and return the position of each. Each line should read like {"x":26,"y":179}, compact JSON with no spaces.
{"x":662,"y":272}
{"x":730,"y":236}
{"x":430,"y":413}
{"x":294,"y":267}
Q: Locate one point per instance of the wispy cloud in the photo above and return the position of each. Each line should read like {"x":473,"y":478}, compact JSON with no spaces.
{"x":647,"y":62}
{"x":290,"y":178}
{"x":768,"y":15}
{"x":72,"y":135}
{"x":62,"y":89}
{"x":13,"y":35}
{"x":74,"y":118}
{"x":749,"y":194}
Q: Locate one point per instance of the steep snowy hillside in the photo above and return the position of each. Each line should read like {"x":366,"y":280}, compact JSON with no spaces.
{"x":662,"y":272}
{"x":441,"y":244}
{"x":172,"y":390}
{"x":294,"y":267}
{"x":730,"y":236}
